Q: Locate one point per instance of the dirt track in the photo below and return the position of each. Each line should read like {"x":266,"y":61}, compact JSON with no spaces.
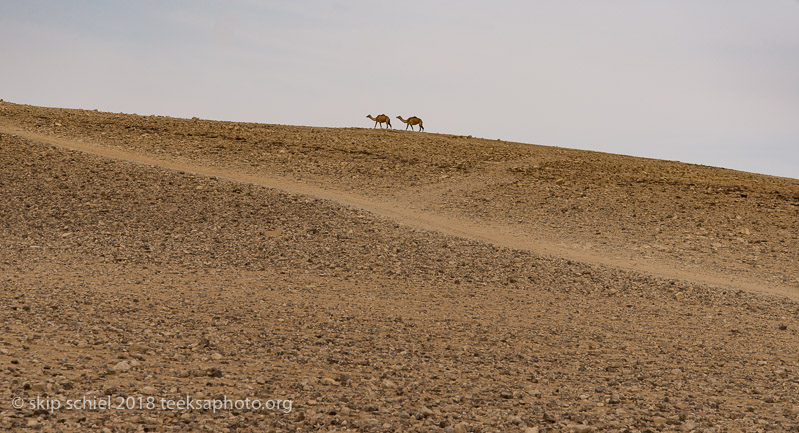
{"x":393,"y":281}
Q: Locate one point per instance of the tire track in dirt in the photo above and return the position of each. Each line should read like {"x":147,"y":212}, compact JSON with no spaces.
{"x":406,"y":213}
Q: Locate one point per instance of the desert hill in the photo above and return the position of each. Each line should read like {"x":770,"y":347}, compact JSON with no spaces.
{"x":385,"y":280}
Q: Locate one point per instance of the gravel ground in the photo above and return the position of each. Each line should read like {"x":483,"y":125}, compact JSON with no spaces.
{"x":125,"y":281}
{"x":655,"y":213}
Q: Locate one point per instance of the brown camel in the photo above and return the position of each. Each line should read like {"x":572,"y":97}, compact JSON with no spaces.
{"x":381,"y":119}
{"x":413,"y":120}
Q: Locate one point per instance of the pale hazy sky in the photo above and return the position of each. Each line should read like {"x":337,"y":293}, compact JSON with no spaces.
{"x":706,"y":81}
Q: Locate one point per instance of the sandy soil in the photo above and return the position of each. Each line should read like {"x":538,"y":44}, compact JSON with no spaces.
{"x":385,"y":281}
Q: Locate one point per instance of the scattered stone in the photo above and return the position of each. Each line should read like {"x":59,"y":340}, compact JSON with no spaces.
{"x":121,"y":367}
{"x":343,"y":379}
{"x":688,"y":426}
{"x":425,"y":412}
{"x":138,"y":348}
{"x":674,"y":420}
{"x":329,"y":381}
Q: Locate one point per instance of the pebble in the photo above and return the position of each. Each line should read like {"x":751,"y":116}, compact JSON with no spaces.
{"x":121,"y":367}
{"x":329,"y":381}
{"x":138,"y":348}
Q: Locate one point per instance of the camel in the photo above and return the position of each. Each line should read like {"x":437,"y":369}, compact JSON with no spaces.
{"x":413,"y":120}
{"x":381,"y":119}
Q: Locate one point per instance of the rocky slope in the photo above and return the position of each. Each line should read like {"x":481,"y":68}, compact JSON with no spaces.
{"x":125,"y":280}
